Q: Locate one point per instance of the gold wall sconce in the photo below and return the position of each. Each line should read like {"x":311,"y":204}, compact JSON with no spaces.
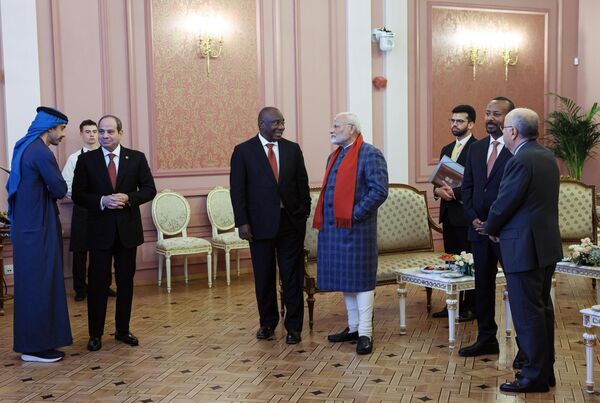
{"x":477,"y":58}
{"x":210,"y":48}
{"x":207,"y":31}
{"x":510,"y":57}
{"x":479,"y":44}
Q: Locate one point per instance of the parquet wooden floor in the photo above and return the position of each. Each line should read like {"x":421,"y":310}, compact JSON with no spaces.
{"x":198,"y":345}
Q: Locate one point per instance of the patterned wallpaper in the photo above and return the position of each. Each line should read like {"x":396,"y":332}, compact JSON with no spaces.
{"x":199,"y":119}
{"x":452,"y":76}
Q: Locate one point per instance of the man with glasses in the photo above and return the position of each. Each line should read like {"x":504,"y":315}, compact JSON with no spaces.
{"x":524,"y":220}
{"x":452,"y":215}
{"x":483,"y":173}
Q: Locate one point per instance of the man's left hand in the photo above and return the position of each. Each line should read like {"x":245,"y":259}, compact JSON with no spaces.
{"x":494,"y":239}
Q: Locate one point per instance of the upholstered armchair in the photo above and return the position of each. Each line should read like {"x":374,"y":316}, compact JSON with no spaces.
{"x":577,"y":215}
{"x":171,"y":216}
{"x":224,"y":234}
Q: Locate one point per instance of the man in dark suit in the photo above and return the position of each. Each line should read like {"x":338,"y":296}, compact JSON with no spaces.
{"x":112,"y":182}
{"x":452,"y":215}
{"x":271,"y":202}
{"x":483,"y":172}
{"x":524,"y":219}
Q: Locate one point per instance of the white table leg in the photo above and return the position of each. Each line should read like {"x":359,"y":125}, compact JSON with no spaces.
{"x":402,"y":302}
{"x":590,"y":340}
{"x":452,"y":303}
{"x":507,"y":314}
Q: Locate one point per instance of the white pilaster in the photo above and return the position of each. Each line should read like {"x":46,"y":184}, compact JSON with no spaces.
{"x":21,"y":67}
{"x":396,"y":93}
{"x":358,"y":34}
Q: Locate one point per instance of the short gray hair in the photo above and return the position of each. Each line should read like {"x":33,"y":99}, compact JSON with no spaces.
{"x":526,"y":121}
{"x":350,"y":118}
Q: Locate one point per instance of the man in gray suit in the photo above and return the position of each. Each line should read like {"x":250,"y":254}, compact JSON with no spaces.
{"x":524,"y":219}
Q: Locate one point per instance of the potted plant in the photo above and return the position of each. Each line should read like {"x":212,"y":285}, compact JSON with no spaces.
{"x":573,"y":134}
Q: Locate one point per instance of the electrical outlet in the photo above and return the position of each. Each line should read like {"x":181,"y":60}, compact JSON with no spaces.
{"x":8,"y":269}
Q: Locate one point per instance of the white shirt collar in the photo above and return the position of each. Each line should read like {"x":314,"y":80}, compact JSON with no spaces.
{"x":499,"y":140}
{"x":465,"y":140}
{"x":264,"y":141}
{"x":116,"y":152}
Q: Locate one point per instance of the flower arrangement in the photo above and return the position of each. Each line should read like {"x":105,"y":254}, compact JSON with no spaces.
{"x":463,"y":263}
{"x":586,"y":253}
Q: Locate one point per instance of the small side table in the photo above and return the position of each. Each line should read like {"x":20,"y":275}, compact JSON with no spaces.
{"x":591,"y":319}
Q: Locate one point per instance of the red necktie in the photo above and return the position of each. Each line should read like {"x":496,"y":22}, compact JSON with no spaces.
{"x":273,"y":162}
{"x":493,"y":157}
{"x":112,"y":171}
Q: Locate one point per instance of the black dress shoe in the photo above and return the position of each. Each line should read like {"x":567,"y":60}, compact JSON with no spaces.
{"x":264,"y":332}
{"x":80,"y":296}
{"x":293,"y":337}
{"x":127,"y":338}
{"x":344,"y":335}
{"x":524,"y":385}
{"x":519,"y":361}
{"x":111,"y":292}
{"x":94,"y":344}
{"x":440,"y":314}
{"x":364,"y":345}
{"x":466,"y":316}
{"x":479,"y":348}
{"x":551,"y":379}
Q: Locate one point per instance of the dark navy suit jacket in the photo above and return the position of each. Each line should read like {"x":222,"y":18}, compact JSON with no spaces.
{"x":525,"y":214}
{"x":256,"y":196}
{"x":479,"y":191}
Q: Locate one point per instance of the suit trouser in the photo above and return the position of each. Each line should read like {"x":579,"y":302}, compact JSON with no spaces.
{"x":486,"y":255}
{"x":78,"y":245}
{"x":287,"y":249}
{"x":533,"y":316}
{"x":99,"y":277}
{"x":455,"y":241}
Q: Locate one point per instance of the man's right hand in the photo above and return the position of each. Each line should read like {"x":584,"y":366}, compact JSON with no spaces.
{"x":114,"y":201}
{"x":445,"y":192}
{"x":478,"y":224}
{"x":245,"y":232}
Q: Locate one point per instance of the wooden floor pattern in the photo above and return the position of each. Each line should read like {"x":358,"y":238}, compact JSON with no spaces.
{"x":198,"y":345}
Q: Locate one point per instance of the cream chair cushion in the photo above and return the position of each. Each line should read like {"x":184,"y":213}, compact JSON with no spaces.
{"x":230,"y":239}
{"x":402,"y":222}
{"x":182,"y":244}
{"x":575,"y":211}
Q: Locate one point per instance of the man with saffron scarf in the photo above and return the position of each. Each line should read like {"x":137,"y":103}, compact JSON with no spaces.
{"x":354,"y":186}
{"x":41,"y":319}
{"x":271,"y":202}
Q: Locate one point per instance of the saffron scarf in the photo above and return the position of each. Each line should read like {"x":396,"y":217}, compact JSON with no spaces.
{"x":345,"y":187}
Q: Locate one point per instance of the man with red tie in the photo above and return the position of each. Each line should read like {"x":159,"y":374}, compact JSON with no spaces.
{"x":271,"y":202}
{"x":483,"y":172}
{"x":112,"y":182}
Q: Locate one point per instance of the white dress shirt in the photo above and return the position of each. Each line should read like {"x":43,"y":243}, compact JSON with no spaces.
{"x":69,"y":169}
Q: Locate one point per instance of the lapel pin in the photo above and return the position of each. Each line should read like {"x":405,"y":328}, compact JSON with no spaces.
{"x":127,"y":157}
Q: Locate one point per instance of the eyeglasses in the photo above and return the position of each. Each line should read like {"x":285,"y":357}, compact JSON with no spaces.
{"x":507,"y":127}
{"x":457,"y":121}
{"x":338,"y":125}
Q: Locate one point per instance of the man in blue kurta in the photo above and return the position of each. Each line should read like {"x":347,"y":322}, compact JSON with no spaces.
{"x":354,"y":186}
{"x":41,"y":319}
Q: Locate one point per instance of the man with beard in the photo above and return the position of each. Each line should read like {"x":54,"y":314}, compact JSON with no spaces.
{"x":271,"y":202}
{"x":452,"y":215}
{"x":41,"y":323}
{"x":483,"y":173}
